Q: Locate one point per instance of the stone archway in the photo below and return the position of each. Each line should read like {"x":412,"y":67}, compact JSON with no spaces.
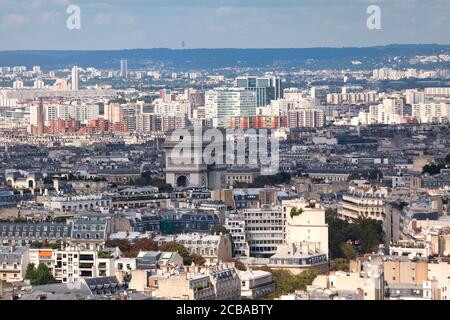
{"x":182,"y":181}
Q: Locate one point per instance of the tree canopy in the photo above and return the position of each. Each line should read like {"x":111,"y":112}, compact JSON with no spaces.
{"x":349,"y":239}
{"x":262,"y":181}
{"x":147,"y":180}
{"x":218,"y":229}
{"x":286,"y":282}
{"x":339,"y":264}
{"x":132,"y":250}
{"x":176,"y":247}
{"x":433,"y":168}
{"x":40,"y":275}
{"x":295,"y":212}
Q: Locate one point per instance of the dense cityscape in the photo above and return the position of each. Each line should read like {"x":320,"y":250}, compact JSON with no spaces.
{"x":93,"y":205}
{"x":279,"y":154}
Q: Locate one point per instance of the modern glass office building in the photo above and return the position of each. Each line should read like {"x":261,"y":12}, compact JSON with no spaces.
{"x":266,"y":88}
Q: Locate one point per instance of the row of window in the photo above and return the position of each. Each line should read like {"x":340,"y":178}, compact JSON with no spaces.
{"x":32,"y":228}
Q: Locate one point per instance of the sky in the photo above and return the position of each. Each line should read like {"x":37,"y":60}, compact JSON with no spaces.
{"x":128,"y":24}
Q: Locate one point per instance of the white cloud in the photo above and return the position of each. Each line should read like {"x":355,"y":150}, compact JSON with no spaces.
{"x":62,"y":2}
{"x":103,"y":20}
{"x":49,"y":17}
{"x":14,"y":20}
{"x":222,"y":11}
{"x":128,"y":20}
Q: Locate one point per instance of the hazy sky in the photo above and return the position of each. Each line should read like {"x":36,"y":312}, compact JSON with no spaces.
{"x":120,"y":24}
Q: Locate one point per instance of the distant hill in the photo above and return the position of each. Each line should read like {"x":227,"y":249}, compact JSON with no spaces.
{"x":206,"y":59}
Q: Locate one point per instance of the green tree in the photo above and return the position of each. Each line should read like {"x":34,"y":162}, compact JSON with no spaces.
{"x":31,"y":271}
{"x":147,"y":180}
{"x":198,"y":260}
{"x":366,"y":233}
{"x":433,"y":168}
{"x":173,"y":246}
{"x":142,"y":245}
{"x":218,"y":229}
{"x":286,"y":282}
{"x":348,"y":251}
{"x":262,"y":181}
{"x":296,"y":212}
{"x":239,"y":265}
{"x":40,"y":275}
{"x":122,"y":244}
{"x":35,"y":245}
{"x":104,"y":255}
{"x":339,"y":264}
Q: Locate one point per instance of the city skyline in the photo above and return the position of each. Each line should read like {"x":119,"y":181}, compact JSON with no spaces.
{"x":111,"y":25}
{"x":248,"y":171}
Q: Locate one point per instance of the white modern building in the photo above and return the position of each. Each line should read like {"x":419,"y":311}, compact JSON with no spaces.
{"x":221,"y":104}
{"x":431,"y":112}
{"x":75,"y":78}
{"x":257,"y":232}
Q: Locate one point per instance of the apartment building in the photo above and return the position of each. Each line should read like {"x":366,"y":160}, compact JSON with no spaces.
{"x":305,"y":223}
{"x":190,"y":283}
{"x":405,"y":271}
{"x":363,"y":203}
{"x":181,"y":286}
{"x":236,"y":225}
{"x":431,"y":112}
{"x":13,"y":263}
{"x":366,"y":286}
{"x":408,"y":279}
{"x":80,"y":232}
{"x":256,"y":284}
{"x":78,"y":202}
{"x":264,"y":229}
{"x":71,"y":266}
{"x":298,"y":257}
{"x":214,"y":248}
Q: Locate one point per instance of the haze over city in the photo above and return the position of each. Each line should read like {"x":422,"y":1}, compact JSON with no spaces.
{"x":125,"y":24}
{"x":238,"y":152}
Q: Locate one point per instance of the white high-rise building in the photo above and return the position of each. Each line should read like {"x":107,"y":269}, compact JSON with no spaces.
{"x":431,"y":112}
{"x":267,"y":88}
{"x":83,"y":112}
{"x":394,"y":105}
{"x":221,"y":104}
{"x":18,"y":84}
{"x":414,"y":97}
{"x":50,"y":113}
{"x":88,"y":112}
{"x":75,"y":78}
{"x":39,"y":84}
{"x":34,"y":114}
{"x":66,"y":112}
